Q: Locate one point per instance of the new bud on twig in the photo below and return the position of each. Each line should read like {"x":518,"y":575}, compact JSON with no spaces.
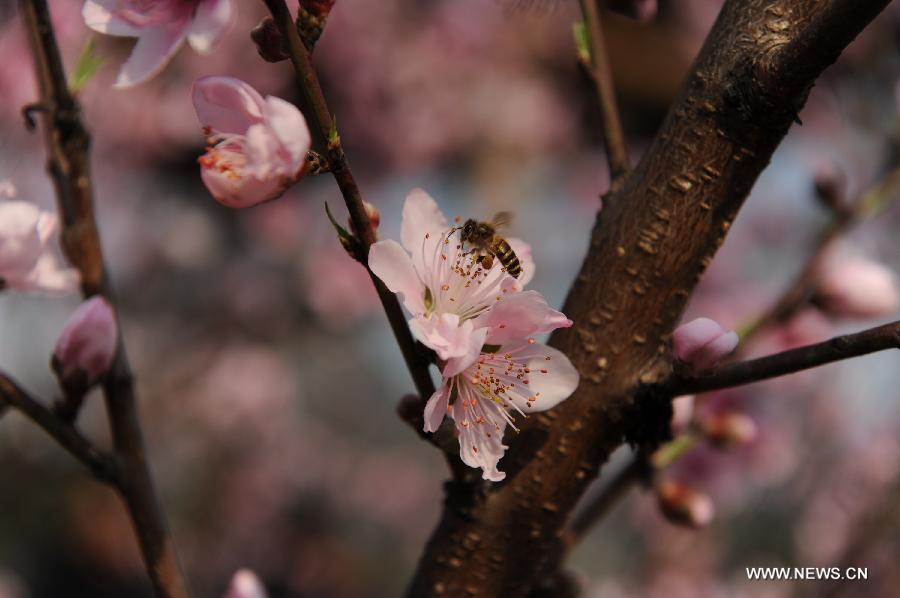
{"x":702,"y":343}
{"x":84,"y":352}
{"x":311,"y":20}
{"x":856,"y":287}
{"x":268,"y":41}
{"x":683,"y":505}
{"x":245,"y":584}
{"x":729,"y":429}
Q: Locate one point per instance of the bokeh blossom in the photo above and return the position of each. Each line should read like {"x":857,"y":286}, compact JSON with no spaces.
{"x":522,"y":377}
{"x":161,"y":27}
{"x":26,"y":260}
{"x":456,"y":304}
{"x":245,"y":584}
{"x":257,"y":147}
{"x":856,"y":287}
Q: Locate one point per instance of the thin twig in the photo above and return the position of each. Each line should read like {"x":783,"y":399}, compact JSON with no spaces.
{"x":596,"y":506}
{"x":601,"y":74}
{"x":804,"y":284}
{"x":104,"y":466}
{"x":324,"y":125}
{"x":416,"y":360}
{"x":868,"y":341}
{"x":68,"y":165}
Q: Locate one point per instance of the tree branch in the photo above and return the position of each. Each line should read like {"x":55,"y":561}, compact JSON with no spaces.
{"x":103,"y":466}
{"x":68,"y":165}
{"x":323,"y":125}
{"x":601,"y":74}
{"x":787,"y":362}
{"x":656,"y":234}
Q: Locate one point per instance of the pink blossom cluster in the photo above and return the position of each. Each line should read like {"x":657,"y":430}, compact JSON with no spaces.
{"x":480,"y":323}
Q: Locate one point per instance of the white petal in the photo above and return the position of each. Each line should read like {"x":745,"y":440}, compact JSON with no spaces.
{"x":100,"y":15}
{"x":455,"y":365}
{"x":480,"y":445}
{"x":436,"y":408}
{"x":421,"y":215}
{"x":447,"y":336}
{"x":212,"y":19}
{"x":227,"y":105}
{"x":551,"y":381}
{"x":520,"y":315}
{"x":389,"y":262}
{"x":154,"y":49}
{"x":290,"y":128}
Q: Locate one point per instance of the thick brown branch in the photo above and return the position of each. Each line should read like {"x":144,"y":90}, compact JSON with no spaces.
{"x":601,"y":74}
{"x":787,"y":362}
{"x":103,"y":466}
{"x":655,"y":236}
{"x":69,"y":167}
{"x":323,"y":125}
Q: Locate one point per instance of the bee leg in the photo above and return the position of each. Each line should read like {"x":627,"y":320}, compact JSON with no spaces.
{"x":486,"y":261}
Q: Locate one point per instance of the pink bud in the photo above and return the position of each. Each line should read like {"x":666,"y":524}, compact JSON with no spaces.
{"x":374,"y":218}
{"x":683,"y":505}
{"x":729,"y":429}
{"x":702,"y":343}
{"x":245,"y":584}
{"x":857,"y":288}
{"x":87,"y":344}
{"x":642,"y":10}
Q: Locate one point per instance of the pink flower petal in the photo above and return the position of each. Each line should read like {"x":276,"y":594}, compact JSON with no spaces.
{"x":550,"y":381}
{"x":520,"y":315}
{"x":245,"y":584}
{"x":101,"y":16}
{"x":211,"y":20}
{"x":389,"y":262}
{"x":436,"y":408}
{"x":457,"y":364}
{"x":477,"y":448}
{"x":421,"y":215}
{"x":227,"y":105}
{"x":290,"y":128}
{"x":154,"y":49}
{"x":240,"y":192}
{"x":446,"y":335}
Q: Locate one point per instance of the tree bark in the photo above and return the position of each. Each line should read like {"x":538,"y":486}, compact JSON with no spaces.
{"x":651,"y":242}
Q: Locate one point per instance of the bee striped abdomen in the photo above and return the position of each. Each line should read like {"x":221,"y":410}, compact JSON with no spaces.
{"x":507,"y":257}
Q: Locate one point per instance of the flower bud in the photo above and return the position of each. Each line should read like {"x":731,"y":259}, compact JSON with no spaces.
{"x":374,"y":218}
{"x":311,"y":20}
{"x":87,"y":345}
{"x":729,"y":429}
{"x":857,"y":288}
{"x":702,"y":343}
{"x":683,"y":505}
{"x":245,"y":584}
{"x":268,"y":41}
{"x":642,"y":10}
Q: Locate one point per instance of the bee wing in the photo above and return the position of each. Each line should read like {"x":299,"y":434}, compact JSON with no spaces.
{"x":502,"y":219}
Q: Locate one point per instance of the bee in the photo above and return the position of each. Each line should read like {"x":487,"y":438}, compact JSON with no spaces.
{"x":483,"y":238}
